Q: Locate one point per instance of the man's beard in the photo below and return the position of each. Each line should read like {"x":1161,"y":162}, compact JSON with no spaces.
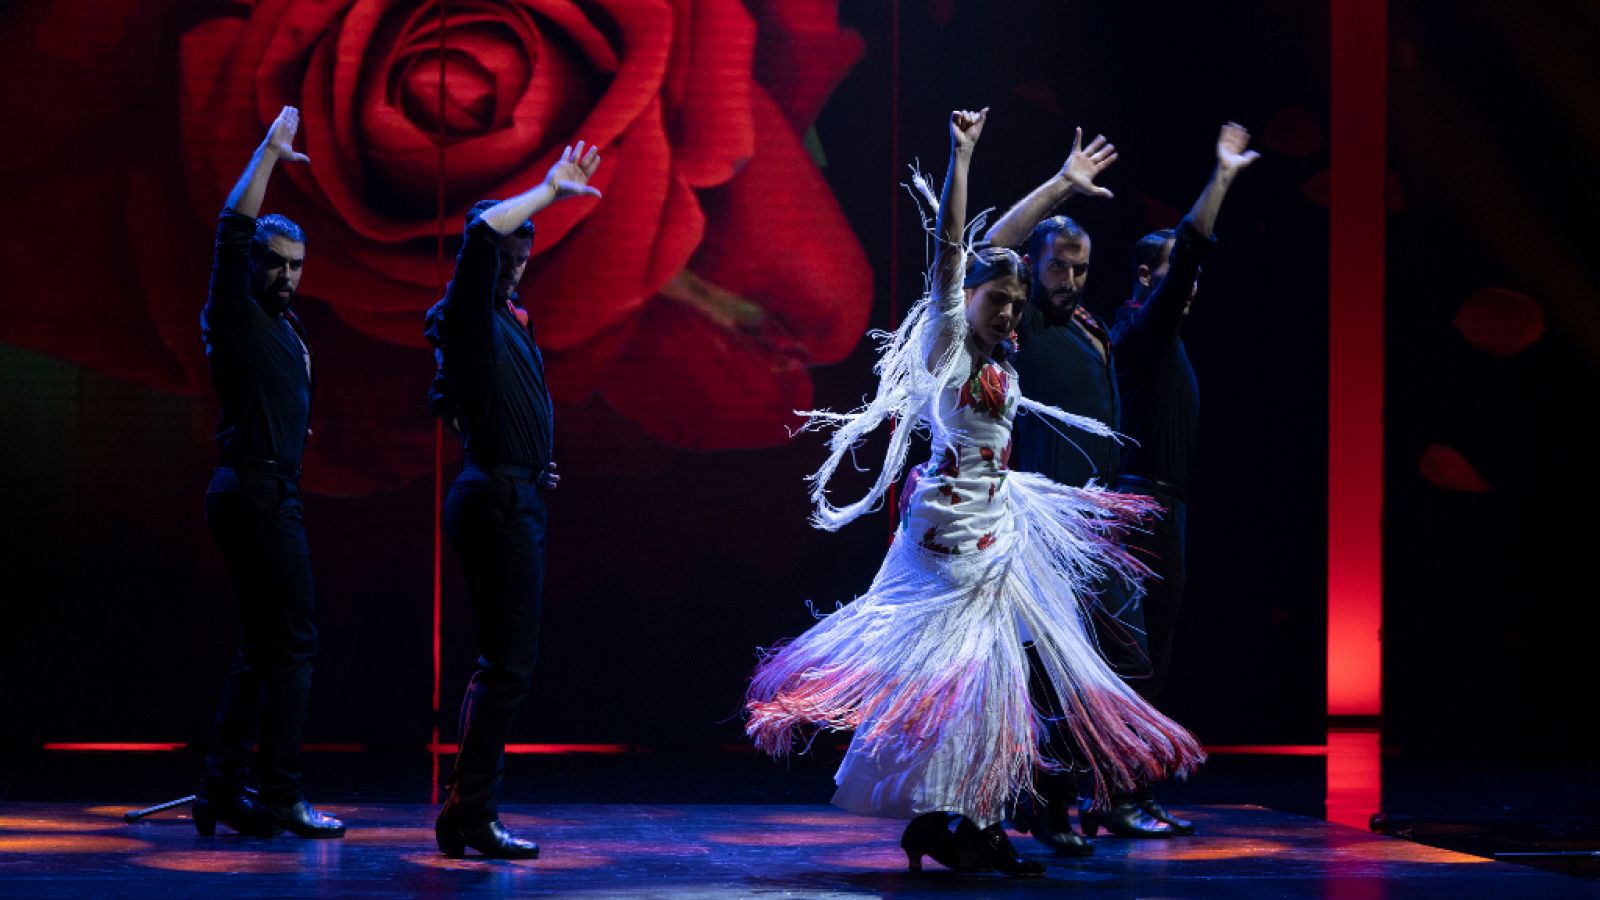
{"x":1057,"y":304}
{"x":272,"y":301}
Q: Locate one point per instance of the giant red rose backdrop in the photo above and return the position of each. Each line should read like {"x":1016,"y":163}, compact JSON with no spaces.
{"x":693,"y":297}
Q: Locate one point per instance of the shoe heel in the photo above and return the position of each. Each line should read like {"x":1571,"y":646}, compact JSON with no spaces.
{"x":451,"y":843}
{"x":1091,"y":824}
{"x":205,"y":822}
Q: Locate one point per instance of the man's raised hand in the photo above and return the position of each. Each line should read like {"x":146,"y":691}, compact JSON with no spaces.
{"x":280,"y":137}
{"x":1232,"y":154}
{"x":965,"y":127}
{"x":1086,"y":163}
{"x":571,"y":173}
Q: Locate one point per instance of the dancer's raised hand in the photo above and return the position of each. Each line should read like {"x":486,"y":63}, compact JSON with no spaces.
{"x":280,"y":136}
{"x":571,"y":173}
{"x":1085,"y":164}
{"x":965,"y":126}
{"x":1232,"y":154}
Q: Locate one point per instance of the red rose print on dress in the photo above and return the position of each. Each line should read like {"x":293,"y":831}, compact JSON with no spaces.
{"x":986,"y":390}
{"x":951,"y":465}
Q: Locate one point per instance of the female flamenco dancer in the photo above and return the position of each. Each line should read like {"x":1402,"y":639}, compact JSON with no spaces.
{"x":930,"y":668}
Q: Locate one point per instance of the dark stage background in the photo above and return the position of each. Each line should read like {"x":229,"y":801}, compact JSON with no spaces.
{"x":1494,"y":381}
{"x":759,"y":151}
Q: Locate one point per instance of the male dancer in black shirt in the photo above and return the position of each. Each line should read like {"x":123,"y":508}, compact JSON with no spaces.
{"x":1066,"y":360}
{"x":490,"y":387}
{"x":1161,"y":399}
{"x":261,"y":369}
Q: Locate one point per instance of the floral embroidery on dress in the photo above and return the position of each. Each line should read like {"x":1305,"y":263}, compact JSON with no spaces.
{"x":987,"y":390}
{"x":950,"y":506}
{"x":928,"y":542}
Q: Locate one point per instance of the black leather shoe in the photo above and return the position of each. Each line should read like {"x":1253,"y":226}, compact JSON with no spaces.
{"x":489,"y":838}
{"x":303,"y":820}
{"x":1153,"y":808}
{"x":1124,"y":818}
{"x":1047,"y":818}
{"x":933,"y":835}
{"x":237,"y":811}
{"x":993,"y":847}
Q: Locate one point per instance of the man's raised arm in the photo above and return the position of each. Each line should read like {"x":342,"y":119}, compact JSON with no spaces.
{"x":1162,"y":312}
{"x":569,"y":177}
{"x":1232,"y":158}
{"x":230,"y":266}
{"x":245,"y":198}
{"x":1077,"y":176}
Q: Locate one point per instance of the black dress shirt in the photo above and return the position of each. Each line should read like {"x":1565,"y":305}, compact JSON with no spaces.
{"x":491,"y":373}
{"x":1058,"y":364}
{"x":260,"y":364}
{"x":1160,"y":396}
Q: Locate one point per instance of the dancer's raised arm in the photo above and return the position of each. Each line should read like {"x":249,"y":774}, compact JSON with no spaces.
{"x":949,"y":256}
{"x":569,"y":177}
{"x":248,"y":191}
{"x":1077,"y":175}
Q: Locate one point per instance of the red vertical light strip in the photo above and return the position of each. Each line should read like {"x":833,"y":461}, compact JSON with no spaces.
{"x":438,"y":447}
{"x":1357,"y":167}
{"x":894,"y":213}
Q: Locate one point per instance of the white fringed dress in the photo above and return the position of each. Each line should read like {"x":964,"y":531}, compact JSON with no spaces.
{"x":928,"y":666}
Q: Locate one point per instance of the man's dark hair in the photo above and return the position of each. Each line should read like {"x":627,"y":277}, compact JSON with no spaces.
{"x":1044,"y":234}
{"x":1151,"y":251}
{"x":525,"y":230}
{"x":274,"y":225}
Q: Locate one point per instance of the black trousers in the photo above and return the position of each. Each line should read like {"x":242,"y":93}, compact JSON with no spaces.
{"x":496,"y":523}
{"x":1118,"y":621}
{"x":1162,"y":548}
{"x":259,"y":523}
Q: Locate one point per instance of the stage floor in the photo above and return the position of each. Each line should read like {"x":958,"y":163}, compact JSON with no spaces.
{"x":715,"y":850}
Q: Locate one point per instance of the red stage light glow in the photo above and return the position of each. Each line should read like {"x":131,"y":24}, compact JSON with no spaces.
{"x":1356,"y":211}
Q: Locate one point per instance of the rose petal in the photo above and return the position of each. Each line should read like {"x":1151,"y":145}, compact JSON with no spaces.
{"x":815,"y":279}
{"x":576,"y":373}
{"x":1444,"y":467}
{"x":597,"y":276}
{"x":802,"y":54}
{"x":695,"y":386}
{"x":707,"y":91}
{"x":1500,"y":321}
{"x":680,"y":231}
{"x":646,"y":35}
{"x":694,"y":382}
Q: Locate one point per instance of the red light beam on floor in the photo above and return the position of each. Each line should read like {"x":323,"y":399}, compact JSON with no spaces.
{"x":1355,"y":776}
{"x":551,"y":749}
{"x":116,"y":746}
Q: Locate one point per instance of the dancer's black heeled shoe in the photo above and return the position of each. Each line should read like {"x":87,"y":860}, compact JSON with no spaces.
{"x":1047,"y":818}
{"x":1180,"y":827}
{"x":1123,"y":818}
{"x":304,"y":820}
{"x":933,"y":835}
{"x":993,"y":847}
{"x":491,"y":839}
{"x":237,"y":811}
